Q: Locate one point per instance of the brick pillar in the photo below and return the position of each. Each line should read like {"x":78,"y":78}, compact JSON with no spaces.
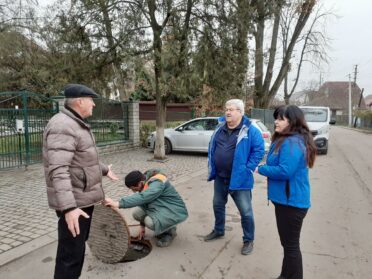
{"x":134,"y":124}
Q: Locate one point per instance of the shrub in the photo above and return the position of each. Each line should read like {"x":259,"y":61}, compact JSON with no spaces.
{"x":114,"y":127}
{"x":365,"y":117}
{"x":145,"y":130}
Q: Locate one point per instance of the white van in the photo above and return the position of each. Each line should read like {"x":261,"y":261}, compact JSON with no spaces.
{"x":318,"y":120}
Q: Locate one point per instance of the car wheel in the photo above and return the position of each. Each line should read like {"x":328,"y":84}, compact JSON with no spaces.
{"x":167,"y":146}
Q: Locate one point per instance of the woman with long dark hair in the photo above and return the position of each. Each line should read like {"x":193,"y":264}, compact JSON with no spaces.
{"x":291,"y":154}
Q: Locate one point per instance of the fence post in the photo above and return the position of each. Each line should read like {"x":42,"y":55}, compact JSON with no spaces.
{"x":26,"y":132}
{"x":134,"y":123}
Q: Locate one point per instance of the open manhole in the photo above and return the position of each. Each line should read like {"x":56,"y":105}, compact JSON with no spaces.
{"x":110,"y":240}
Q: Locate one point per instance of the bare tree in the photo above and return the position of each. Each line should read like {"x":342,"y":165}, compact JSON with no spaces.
{"x":264,"y":91}
{"x":16,"y":14}
{"x":313,"y":50}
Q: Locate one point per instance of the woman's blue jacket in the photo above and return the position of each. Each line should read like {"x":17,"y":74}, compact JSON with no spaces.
{"x":287,"y":173}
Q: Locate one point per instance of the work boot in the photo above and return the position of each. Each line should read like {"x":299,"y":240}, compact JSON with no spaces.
{"x":165,"y":240}
{"x":213,"y":235}
{"x":247,"y":248}
{"x":172,"y":231}
{"x":159,"y":236}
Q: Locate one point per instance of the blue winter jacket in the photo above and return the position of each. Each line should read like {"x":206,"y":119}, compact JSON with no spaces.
{"x":248,"y":154}
{"x":287,"y":173}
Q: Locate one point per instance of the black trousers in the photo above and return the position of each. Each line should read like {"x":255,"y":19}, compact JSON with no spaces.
{"x":289,"y":222}
{"x":71,"y":250}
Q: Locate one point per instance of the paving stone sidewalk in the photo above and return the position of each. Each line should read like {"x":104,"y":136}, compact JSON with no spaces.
{"x":24,"y":213}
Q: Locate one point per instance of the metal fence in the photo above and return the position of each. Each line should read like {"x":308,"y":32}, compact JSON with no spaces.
{"x":110,"y":121}
{"x":265,"y":115}
{"x":23,"y":116}
{"x":363,"y":122}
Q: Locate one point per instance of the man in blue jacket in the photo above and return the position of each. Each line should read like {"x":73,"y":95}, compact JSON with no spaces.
{"x":235,"y":150}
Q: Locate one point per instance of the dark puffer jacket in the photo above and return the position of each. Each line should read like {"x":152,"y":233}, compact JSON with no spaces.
{"x":72,"y":170}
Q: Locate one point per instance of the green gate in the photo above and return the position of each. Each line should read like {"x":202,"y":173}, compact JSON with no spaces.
{"x":23,"y":116}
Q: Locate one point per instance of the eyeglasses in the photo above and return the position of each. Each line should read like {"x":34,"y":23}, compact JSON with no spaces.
{"x":230,"y":109}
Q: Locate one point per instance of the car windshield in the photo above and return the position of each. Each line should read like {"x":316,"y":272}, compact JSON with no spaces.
{"x":315,"y":114}
{"x":201,"y":125}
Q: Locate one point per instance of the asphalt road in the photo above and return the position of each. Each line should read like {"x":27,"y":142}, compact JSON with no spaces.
{"x":336,"y":240}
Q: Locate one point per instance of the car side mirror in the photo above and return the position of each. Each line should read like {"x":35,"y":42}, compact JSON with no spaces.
{"x":179,"y":129}
{"x":332,"y":122}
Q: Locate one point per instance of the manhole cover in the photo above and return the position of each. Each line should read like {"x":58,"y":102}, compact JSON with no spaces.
{"x":110,"y":240}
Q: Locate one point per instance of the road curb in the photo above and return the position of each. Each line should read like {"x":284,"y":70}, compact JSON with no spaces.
{"x":27,"y":248}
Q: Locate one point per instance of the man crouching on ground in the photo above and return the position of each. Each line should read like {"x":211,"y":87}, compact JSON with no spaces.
{"x":159,"y":206}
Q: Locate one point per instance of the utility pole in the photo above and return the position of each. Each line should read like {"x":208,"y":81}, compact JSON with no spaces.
{"x":360,"y":101}
{"x":350,"y":95}
{"x":350,"y":112}
{"x":355,"y":73}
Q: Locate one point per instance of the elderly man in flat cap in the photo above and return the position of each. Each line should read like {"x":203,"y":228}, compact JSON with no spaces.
{"x":159,"y":207}
{"x":73,"y":175}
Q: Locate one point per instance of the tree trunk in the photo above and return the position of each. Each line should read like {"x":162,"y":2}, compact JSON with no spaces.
{"x":242,"y":43}
{"x":258,"y":71}
{"x":263,"y":93}
{"x":119,"y":80}
{"x":306,"y":10}
{"x":159,"y":152}
{"x":286,"y":99}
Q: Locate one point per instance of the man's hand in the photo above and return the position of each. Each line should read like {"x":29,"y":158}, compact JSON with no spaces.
{"x":141,"y":232}
{"x":109,"y":202}
{"x":72,"y":220}
{"x":111,"y":174}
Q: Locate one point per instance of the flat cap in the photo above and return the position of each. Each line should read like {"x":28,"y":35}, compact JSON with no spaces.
{"x":78,"y":91}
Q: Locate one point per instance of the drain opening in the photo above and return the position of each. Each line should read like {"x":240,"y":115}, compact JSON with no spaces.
{"x":138,"y":249}
{"x":110,"y":240}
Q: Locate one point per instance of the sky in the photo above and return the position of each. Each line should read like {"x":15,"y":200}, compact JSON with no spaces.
{"x":350,"y":45}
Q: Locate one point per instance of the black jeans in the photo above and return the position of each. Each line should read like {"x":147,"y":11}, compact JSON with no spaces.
{"x":71,"y":250}
{"x":289,"y":222}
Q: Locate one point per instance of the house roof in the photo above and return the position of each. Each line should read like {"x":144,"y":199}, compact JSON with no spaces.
{"x":335,"y":94}
{"x":297,"y":95}
{"x":301,"y":97}
{"x":368,"y":100}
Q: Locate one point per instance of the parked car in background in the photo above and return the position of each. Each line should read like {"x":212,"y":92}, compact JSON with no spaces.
{"x":318,"y":120}
{"x":194,"y":135}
